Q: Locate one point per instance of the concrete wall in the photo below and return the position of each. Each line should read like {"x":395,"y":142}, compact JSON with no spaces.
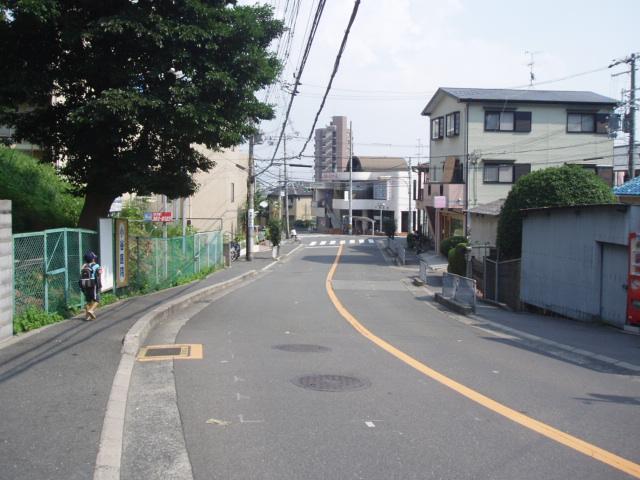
{"x":562,"y":256}
{"x":483,"y":231}
{"x":6,"y":271}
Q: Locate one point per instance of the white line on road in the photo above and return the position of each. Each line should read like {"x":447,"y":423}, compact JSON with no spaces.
{"x":312,"y":244}
{"x":370,"y":240}
{"x":370,"y":424}
{"x":242,"y":420}
{"x":323,"y":242}
{"x":341,"y":242}
{"x":332,"y":242}
{"x":361,"y":240}
{"x":351,"y":242}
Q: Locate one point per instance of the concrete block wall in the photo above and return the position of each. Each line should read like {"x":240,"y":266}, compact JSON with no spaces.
{"x":6,"y":271}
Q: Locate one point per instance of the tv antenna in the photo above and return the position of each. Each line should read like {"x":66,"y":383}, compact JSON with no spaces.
{"x":532,"y":76}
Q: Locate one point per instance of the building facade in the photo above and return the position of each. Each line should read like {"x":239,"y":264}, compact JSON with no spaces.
{"x":332,"y":147}
{"x":483,"y":140}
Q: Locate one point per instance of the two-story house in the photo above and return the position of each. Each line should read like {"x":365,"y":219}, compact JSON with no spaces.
{"x":483,"y":140}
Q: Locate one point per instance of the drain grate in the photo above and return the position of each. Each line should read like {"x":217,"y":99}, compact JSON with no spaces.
{"x":301,"y":348}
{"x":331,"y":383}
{"x":191,"y":351}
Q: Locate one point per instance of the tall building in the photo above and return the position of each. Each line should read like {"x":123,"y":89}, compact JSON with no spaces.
{"x":332,"y":147}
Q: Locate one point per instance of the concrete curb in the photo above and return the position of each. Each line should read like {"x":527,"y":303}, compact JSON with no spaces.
{"x":453,"y":305}
{"x":109,"y":455}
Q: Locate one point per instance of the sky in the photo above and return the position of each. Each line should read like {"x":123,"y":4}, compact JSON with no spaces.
{"x":400,"y":51}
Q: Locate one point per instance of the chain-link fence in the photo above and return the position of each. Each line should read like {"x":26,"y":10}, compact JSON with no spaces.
{"x":157,"y":263}
{"x":47,"y":268}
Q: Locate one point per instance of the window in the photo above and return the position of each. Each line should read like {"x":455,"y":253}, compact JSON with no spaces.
{"x":233,"y":192}
{"x":453,"y":124}
{"x":507,"y":121}
{"x":437,"y":128}
{"x":579,"y":122}
{"x":504,"y":172}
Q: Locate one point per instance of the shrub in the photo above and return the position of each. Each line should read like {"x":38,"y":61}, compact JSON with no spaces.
{"x":411,"y":240}
{"x":457,"y":261}
{"x":33,"y":318}
{"x":389,"y":227}
{"x":448,"y":243}
{"x":274,"y":232}
{"x":40,"y":198}
{"x":551,"y":187}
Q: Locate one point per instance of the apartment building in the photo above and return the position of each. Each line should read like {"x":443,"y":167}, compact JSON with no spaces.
{"x":332,"y":147}
{"x":483,"y":140}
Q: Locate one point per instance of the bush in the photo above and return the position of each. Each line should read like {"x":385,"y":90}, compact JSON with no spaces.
{"x":33,"y":318}
{"x":389,"y":227}
{"x":412,"y":238}
{"x":448,"y":243}
{"x":40,"y":198}
{"x":274,"y":232}
{"x":457,"y":261}
{"x":551,"y":187}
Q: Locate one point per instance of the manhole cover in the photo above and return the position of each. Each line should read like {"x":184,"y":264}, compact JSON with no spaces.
{"x":331,"y":383}
{"x":302,"y":348}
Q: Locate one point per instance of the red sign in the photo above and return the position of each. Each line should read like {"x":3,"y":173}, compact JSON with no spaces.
{"x":633,"y":289}
{"x":161,"y":217}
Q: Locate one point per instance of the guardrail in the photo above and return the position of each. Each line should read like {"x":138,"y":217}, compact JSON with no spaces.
{"x":398,"y":250}
{"x":460,"y":290}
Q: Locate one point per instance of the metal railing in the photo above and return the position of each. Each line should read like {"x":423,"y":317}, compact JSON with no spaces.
{"x":460,"y":289}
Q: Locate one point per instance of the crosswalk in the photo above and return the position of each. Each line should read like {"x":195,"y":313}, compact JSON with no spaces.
{"x":335,"y":243}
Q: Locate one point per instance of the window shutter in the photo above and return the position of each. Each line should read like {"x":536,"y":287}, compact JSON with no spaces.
{"x":523,"y":121}
{"x":520,"y":169}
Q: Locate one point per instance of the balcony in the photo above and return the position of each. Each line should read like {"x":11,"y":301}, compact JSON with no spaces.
{"x":454,"y":193}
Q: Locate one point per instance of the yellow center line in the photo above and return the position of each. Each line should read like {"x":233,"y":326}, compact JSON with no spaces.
{"x":548,"y":431}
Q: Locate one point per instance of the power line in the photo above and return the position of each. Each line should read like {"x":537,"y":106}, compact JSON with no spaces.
{"x":298,"y":75}
{"x":333,"y":73}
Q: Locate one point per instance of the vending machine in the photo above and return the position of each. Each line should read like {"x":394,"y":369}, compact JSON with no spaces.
{"x":633,"y":291}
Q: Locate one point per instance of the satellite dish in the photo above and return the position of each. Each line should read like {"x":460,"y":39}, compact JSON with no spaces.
{"x":263,"y":204}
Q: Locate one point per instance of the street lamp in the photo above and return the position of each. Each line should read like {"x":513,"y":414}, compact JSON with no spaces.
{"x":381,"y":206}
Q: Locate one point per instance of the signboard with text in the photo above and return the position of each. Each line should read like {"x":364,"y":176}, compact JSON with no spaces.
{"x":440,"y":202}
{"x":158,"y":217}
{"x":122,"y":252}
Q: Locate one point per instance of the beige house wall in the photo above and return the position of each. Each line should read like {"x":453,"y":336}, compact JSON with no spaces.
{"x":302,"y":208}
{"x":222,"y":191}
{"x":547,"y":144}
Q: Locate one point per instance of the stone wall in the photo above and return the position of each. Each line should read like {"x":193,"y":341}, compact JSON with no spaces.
{"x":6,"y":271}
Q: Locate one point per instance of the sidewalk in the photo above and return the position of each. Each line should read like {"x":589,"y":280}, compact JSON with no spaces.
{"x":576,"y":341}
{"x":55,"y":383}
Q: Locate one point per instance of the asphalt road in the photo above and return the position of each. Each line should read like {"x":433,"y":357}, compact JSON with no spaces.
{"x":289,"y":389}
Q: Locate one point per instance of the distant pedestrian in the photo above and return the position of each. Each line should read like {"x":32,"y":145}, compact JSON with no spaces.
{"x":91,"y":283}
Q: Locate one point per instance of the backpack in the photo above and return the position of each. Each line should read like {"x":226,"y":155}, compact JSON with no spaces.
{"x":87,"y":280}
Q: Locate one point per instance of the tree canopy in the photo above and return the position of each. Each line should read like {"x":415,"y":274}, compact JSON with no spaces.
{"x":121,"y":90}
{"x":40,"y":199}
{"x":551,"y":187}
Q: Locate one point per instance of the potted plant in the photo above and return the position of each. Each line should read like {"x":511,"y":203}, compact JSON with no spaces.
{"x":274,"y":234}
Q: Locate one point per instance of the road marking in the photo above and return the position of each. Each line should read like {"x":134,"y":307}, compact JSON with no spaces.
{"x":242,"y":420}
{"x":239,"y":396}
{"x":369,"y":240}
{"x":548,"y":431}
{"x":323,"y":242}
{"x":341,"y":242}
{"x":237,"y":379}
{"x":361,"y":240}
{"x":370,"y":424}
{"x":313,"y":243}
{"x":332,"y":242}
{"x":351,"y":242}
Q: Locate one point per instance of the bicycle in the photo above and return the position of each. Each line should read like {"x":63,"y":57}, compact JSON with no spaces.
{"x":234,"y":250}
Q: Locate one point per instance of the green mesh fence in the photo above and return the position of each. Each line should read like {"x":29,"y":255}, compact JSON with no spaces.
{"x":157,"y":263}
{"x":47,"y":268}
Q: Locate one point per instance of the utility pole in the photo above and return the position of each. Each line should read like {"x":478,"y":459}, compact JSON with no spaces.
{"x":286,"y":187}
{"x":350,"y":178}
{"x":250,"y":183}
{"x":409,"y":215}
{"x":631,"y":60}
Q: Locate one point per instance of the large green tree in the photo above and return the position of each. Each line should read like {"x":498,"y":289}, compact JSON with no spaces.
{"x":121,"y":90}
{"x":551,"y":187}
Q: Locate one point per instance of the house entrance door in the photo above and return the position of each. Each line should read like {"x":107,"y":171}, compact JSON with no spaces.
{"x":613,"y":299}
